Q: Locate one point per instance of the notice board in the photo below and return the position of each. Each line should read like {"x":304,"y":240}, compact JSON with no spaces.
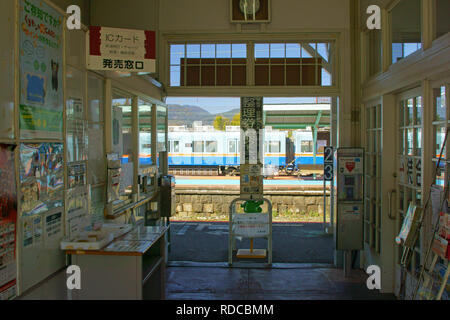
{"x":42,"y":212}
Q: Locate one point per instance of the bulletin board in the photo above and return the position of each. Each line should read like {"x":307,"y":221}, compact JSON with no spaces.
{"x":42,"y":211}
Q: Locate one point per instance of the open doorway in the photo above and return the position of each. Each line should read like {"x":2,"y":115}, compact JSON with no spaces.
{"x":204,"y":144}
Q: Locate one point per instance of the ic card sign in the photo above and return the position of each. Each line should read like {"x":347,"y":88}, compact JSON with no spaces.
{"x":123,"y":50}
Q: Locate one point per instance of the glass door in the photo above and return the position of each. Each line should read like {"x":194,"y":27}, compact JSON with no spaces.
{"x":441,"y":120}
{"x":372,"y":190}
{"x":409,"y":162}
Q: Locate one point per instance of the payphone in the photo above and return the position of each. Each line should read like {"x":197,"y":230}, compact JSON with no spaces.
{"x":349,"y":199}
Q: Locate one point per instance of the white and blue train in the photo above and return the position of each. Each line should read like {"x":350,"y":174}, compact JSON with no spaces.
{"x":211,"y":149}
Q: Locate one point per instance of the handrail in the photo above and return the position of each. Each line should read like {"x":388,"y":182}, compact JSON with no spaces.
{"x":390,"y":204}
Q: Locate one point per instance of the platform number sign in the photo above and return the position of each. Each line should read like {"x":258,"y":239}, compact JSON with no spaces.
{"x":328,"y":164}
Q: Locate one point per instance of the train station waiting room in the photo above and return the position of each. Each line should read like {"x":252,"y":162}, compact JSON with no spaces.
{"x":224,"y":150}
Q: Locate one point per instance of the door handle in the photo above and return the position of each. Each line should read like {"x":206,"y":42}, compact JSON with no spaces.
{"x":390,"y":193}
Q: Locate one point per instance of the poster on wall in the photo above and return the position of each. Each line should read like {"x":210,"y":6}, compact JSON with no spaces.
{"x":8,"y":218}
{"x":41,"y":177}
{"x":41,"y":64}
{"x":53,"y":227}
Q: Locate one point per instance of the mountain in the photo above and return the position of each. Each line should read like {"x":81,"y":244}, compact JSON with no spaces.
{"x":229,"y":114}
{"x":186,"y":114}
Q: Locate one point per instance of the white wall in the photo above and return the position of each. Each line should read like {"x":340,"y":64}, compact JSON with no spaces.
{"x":211,"y":20}
{"x":214,"y":15}
{"x":128,"y":14}
{"x":442,"y":12}
{"x":83,"y":4}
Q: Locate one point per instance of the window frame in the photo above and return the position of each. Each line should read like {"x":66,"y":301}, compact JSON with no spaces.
{"x":390,"y":42}
{"x":216,"y":146}
{"x":333,"y":38}
{"x":407,"y":192}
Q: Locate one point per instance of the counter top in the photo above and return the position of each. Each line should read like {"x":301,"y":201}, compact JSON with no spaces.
{"x":134,"y":243}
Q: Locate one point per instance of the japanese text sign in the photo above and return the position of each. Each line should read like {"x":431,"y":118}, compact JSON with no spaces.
{"x":121,"y":50}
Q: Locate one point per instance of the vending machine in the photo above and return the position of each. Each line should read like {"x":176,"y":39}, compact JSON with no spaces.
{"x":349,"y":198}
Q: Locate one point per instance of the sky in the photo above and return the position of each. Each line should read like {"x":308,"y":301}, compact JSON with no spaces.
{"x":224,"y":104}
{"x":210,"y":104}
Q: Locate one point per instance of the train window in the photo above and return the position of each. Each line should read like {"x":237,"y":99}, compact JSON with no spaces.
{"x":232,"y":146}
{"x":306,"y":146}
{"x":321,"y":144}
{"x":174,"y":146}
{"x":274,"y":146}
{"x":211,"y":146}
{"x":198,"y":146}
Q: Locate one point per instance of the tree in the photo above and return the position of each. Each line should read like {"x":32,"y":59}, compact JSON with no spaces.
{"x":220,"y":123}
{"x":236,"y":121}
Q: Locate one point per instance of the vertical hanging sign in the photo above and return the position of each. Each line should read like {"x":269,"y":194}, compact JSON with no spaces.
{"x":252,"y":146}
{"x":41,"y":64}
{"x":123,"y":50}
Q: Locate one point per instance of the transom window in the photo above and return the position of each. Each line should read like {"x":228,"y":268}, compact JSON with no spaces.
{"x":229,"y":64}
{"x":292,"y":64}
{"x":208,"y":64}
{"x":406,"y":33}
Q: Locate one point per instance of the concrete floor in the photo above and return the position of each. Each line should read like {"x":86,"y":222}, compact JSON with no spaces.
{"x":301,"y":283}
{"x":292,"y":242}
{"x":316,"y":279}
{"x":283,"y":282}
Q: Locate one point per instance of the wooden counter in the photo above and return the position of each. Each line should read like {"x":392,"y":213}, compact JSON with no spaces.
{"x":130,"y":267}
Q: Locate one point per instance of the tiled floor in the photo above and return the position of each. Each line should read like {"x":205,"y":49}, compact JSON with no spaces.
{"x":303,"y":283}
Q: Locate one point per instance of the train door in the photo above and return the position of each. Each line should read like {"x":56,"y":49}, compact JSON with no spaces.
{"x":198,"y":147}
{"x":233,"y":151}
